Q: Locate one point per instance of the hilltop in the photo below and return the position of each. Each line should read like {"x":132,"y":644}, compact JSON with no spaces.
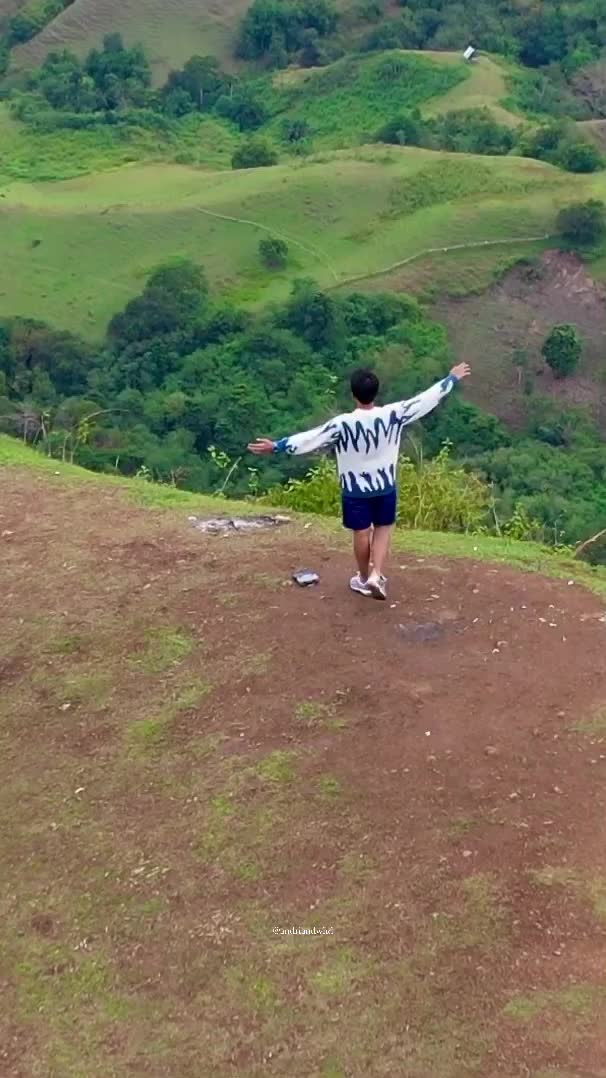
{"x":171,"y":793}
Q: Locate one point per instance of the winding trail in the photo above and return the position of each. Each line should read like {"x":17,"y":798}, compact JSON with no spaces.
{"x":343,"y":281}
{"x":280,"y":235}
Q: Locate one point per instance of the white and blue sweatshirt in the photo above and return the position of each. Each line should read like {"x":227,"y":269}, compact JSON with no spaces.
{"x":367,"y":441}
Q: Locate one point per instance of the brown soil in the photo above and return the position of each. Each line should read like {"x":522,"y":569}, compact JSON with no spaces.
{"x":457,"y":769}
{"x":517,"y":313}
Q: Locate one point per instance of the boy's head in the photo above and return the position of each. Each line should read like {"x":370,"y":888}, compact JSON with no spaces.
{"x":364,"y":386}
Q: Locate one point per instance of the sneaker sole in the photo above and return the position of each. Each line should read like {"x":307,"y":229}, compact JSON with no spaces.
{"x":366,"y":592}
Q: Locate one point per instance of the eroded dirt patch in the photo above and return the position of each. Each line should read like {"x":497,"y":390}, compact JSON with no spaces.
{"x":517,"y":313}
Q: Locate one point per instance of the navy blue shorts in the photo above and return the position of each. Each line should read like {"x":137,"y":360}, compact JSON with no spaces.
{"x":359,"y":514}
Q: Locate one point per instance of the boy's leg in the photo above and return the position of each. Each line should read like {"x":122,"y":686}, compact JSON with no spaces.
{"x":380,"y":548}
{"x":384,"y":518}
{"x":361,"y":543}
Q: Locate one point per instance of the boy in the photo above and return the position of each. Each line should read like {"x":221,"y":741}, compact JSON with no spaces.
{"x":366,"y":443}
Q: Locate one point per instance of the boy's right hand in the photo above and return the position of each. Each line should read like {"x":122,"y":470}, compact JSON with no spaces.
{"x":262,"y":445}
{"x":462,"y":370}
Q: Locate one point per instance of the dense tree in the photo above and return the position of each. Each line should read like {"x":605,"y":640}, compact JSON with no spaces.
{"x":287,"y":18}
{"x":111,"y":78}
{"x":196,"y":87}
{"x":465,"y":131}
{"x":562,"y":350}
{"x":174,"y":299}
{"x":583,"y":223}
{"x":243,"y":108}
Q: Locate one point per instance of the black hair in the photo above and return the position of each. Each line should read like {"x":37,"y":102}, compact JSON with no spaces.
{"x":364,"y":386}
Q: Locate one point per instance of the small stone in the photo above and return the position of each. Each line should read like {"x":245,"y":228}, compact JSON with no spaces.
{"x":467,"y":853}
{"x":514,"y":795}
{"x":491,"y":750}
{"x":556,"y":790}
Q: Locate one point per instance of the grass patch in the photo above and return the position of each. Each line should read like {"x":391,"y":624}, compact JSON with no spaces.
{"x":461,"y":826}
{"x":340,"y":974}
{"x":314,"y":713}
{"x":329,"y":787}
{"x":190,"y":696}
{"x":472,"y":917}
{"x":443,"y":181}
{"x":576,"y":1001}
{"x":148,"y":735}
{"x":589,"y":888}
{"x":87,"y":687}
{"x":256,"y":665}
{"x":164,"y":649}
{"x":70,"y":644}
{"x":256,"y":992}
{"x":277,"y":768}
{"x":595,"y":726}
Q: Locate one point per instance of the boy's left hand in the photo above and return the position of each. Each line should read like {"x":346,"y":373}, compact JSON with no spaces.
{"x":462,"y":370}
{"x":261,"y":446}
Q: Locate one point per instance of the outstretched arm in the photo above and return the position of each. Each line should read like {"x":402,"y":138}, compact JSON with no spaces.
{"x":417,"y":407}
{"x":307,"y":442}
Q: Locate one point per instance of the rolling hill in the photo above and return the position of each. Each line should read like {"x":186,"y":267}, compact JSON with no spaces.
{"x":81,"y":248}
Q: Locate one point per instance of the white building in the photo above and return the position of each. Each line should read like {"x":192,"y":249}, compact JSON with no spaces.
{"x":469,"y":53}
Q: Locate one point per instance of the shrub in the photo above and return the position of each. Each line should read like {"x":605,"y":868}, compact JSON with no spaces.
{"x":255,"y":153}
{"x":435,"y":495}
{"x":583,"y":222}
{"x":273,"y":252}
{"x":580,"y":156}
{"x":562,"y":350}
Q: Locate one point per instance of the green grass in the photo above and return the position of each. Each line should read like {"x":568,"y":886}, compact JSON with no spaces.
{"x":346,"y":103}
{"x":576,"y":1001}
{"x":578,"y":882}
{"x":164,"y":648}
{"x":80,"y":249}
{"x":484,"y":86}
{"x":592,"y":726}
{"x":528,"y":557}
{"x":37,"y":156}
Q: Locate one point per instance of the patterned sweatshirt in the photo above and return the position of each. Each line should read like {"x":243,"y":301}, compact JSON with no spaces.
{"x":367,"y":441}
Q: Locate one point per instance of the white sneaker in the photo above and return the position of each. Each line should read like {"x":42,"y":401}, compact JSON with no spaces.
{"x":357,"y":584}
{"x":377,"y":586}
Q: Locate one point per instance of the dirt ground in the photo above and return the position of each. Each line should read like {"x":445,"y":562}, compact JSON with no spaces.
{"x":517,"y":313}
{"x":194,"y":753}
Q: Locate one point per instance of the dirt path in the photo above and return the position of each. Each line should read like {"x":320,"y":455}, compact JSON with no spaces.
{"x":195,"y":752}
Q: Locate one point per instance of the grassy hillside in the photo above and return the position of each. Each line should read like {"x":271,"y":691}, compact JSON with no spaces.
{"x":170,"y":33}
{"x":345,"y":104}
{"x":160,"y":840}
{"x":485,"y":85}
{"x":82,"y":247}
{"x":29,"y":154}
